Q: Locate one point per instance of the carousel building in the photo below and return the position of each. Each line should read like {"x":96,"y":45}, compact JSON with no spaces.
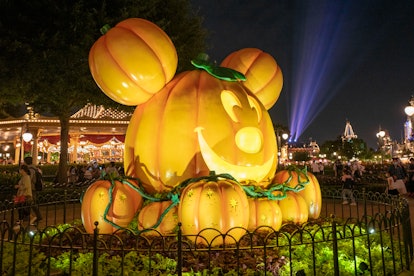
{"x":96,"y":133}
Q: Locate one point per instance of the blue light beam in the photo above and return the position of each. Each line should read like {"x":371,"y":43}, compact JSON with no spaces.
{"x":322,"y":54}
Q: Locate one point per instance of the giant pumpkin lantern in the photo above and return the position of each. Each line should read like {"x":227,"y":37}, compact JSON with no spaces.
{"x":203,"y":120}
{"x":208,"y":119}
{"x":196,"y":124}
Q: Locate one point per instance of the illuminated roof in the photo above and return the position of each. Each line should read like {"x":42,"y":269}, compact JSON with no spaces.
{"x":100,"y":112}
{"x":91,"y":119}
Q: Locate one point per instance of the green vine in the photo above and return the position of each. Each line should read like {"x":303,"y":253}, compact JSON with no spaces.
{"x":276,"y":191}
{"x":280,"y":188}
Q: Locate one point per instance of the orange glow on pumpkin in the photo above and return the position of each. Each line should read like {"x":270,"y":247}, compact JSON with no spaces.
{"x":220,"y":204}
{"x":264,"y":212}
{"x":150,"y":214}
{"x":294,"y":208}
{"x":311,"y":193}
{"x":263,"y":76}
{"x":198,"y":124}
{"x":125,"y":203}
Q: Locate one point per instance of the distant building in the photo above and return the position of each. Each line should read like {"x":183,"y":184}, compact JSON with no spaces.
{"x":96,"y":133}
{"x":312,"y":149}
{"x":349,"y":133}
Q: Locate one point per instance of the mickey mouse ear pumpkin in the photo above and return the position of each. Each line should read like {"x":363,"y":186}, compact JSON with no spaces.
{"x":263,"y":76}
{"x":133,"y":61}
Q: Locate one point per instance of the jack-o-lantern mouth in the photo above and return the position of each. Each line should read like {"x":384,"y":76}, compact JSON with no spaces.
{"x":215,"y":163}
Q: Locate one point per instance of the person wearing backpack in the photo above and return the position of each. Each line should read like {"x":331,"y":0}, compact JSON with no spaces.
{"x":36,"y":180}
{"x":347,"y":187}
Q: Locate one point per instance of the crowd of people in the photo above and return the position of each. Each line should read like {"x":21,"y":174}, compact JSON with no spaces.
{"x":86,"y":172}
{"x":399,"y":176}
{"x":27,"y":187}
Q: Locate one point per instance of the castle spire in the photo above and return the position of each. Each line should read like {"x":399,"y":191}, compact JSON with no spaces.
{"x":349,"y":132}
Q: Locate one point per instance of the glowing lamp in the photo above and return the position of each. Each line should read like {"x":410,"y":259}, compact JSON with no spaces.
{"x":409,"y":110}
{"x":381,"y":134}
{"x":285,"y":136}
{"x":27,"y":136}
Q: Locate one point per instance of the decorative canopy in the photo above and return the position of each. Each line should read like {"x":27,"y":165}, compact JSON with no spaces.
{"x":90,"y":120}
{"x":92,"y":125}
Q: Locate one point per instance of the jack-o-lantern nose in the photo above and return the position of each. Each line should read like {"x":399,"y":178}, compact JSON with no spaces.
{"x":249,"y":139}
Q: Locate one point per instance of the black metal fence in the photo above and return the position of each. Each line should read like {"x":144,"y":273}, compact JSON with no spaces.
{"x":372,"y":238}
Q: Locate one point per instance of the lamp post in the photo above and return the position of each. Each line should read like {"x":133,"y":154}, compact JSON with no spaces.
{"x":25,"y":137}
{"x":281,"y":151}
{"x":284,"y":149}
{"x":408,"y":126}
{"x":380,"y":135}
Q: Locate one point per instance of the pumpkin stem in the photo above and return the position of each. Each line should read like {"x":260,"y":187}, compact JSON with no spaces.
{"x":222,"y":73}
{"x":105,"y":29}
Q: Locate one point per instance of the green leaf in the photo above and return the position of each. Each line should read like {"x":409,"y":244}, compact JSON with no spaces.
{"x":222,"y":73}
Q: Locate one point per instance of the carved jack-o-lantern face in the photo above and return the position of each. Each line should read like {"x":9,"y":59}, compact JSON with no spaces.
{"x":197,"y":124}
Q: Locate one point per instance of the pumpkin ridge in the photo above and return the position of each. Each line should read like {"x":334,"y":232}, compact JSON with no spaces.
{"x":171,"y":90}
{"x":197,"y":149}
{"x":158,"y":138}
{"x":264,"y":85}
{"x":115,"y":62}
{"x":149,"y":48}
{"x":252,"y":61}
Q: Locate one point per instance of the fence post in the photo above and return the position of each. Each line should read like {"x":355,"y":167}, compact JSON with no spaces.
{"x":335,"y":247}
{"x":407,"y":234}
{"x":179,"y":251}
{"x":65,"y":197}
{"x":12,"y":222}
{"x":95,"y":249}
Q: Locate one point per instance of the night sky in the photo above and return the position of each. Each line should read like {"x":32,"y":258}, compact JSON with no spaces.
{"x":341,"y":60}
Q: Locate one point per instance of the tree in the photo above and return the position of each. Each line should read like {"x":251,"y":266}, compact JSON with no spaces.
{"x":45,"y":45}
{"x":348,"y":149}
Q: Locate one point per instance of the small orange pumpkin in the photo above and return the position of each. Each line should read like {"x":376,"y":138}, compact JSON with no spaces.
{"x":294,"y":208}
{"x":311,"y":193}
{"x":219,"y":204}
{"x":264,"y":212}
{"x":133,"y":61}
{"x":151,"y":213}
{"x":263,"y":76}
{"x":126,"y":202}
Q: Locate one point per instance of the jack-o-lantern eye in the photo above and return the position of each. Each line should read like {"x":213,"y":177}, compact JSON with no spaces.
{"x":229,"y":101}
{"x":255,"y":105}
